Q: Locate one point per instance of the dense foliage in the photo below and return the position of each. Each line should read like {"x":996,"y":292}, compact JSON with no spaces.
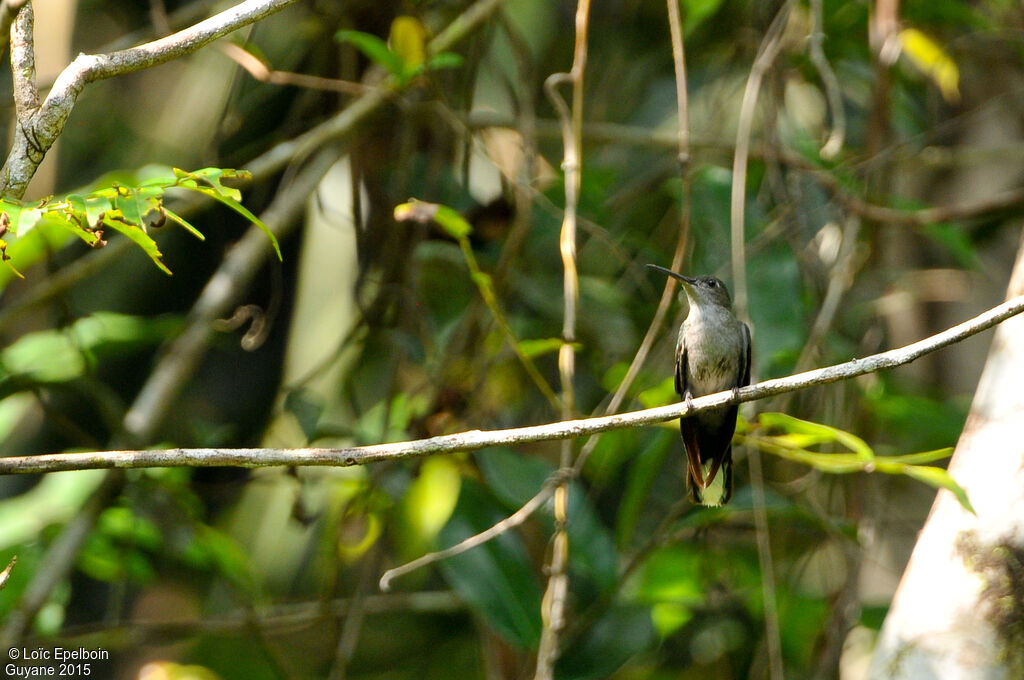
{"x":381,"y":325}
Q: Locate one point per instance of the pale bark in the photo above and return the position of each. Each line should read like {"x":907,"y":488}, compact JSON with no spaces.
{"x":959,"y":610}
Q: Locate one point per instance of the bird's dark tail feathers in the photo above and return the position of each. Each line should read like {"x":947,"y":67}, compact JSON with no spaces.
{"x":717,"y":487}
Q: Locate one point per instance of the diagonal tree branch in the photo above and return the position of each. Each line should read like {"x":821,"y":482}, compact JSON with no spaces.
{"x":478,"y":439}
{"x":39,"y":128}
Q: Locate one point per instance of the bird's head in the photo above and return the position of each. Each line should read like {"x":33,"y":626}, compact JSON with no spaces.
{"x":701,"y":290}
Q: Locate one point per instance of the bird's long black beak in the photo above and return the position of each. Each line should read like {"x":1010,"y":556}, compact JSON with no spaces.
{"x":684,"y":279}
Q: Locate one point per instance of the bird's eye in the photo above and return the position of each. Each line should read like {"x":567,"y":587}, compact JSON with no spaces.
{"x":713,"y":283}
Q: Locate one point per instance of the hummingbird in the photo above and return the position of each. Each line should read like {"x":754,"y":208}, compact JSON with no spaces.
{"x":712,"y":355}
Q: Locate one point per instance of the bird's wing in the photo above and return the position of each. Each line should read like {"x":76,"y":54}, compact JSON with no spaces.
{"x":745,"y":368}
{"x":681,"y":367}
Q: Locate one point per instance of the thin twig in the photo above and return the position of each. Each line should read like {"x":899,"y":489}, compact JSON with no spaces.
{"x":765,"y":56}
{"x":512,"y":521}
{"x":553,"y":603}
{"x":767,"y":52}
{"x":834,"y":144}
{"x":474,"y":440}
{"x":262,"y":72}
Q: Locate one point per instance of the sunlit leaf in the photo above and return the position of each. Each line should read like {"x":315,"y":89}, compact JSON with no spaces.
{"x":930,"y":57}
{"x":447,"y":218}
{"x":408,"y":40}
{"x":114,"y":220}
{"x":429,"y":502}
{"x":940,"y":479}
{"x":820,"y":432}
{"x":178,"y":219}
{"x":537,"y":347}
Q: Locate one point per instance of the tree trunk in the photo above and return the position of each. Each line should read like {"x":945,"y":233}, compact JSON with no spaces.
{"x":959,"y":610}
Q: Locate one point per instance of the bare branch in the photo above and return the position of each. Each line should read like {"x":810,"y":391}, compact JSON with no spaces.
{"x":40,"y":130}
{"x":479,"y":439}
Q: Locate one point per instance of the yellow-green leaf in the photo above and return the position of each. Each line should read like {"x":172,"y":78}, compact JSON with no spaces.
{"x":932,"y":60}
{"x":447,"y":218}
{"x":408,"y":39}
{"x":940,"y":479}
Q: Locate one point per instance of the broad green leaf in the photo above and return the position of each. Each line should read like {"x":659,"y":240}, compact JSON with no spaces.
{"x":659,"y":395}
{"x":639,"y":478}
{"x":930,"y":57}
{"x":374,"y":49}
{"x":42,"y":357}
{"x":55,"y":499}
{"x":940,"y":479}
{"x":428,"y":503}
{"x":670,"y":581}
{"x":620,"y":634}
{"x":27,"y":220}
{"x":496,"y":580}
{"x":515,"y":478}
{"x":95,"y":206}
{"x":127,"y":203}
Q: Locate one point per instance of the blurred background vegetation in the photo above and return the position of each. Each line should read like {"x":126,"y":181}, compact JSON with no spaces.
{"x":372,"y":330}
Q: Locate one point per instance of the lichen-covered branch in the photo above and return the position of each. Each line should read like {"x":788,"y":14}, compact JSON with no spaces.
{"x":40,"y":125}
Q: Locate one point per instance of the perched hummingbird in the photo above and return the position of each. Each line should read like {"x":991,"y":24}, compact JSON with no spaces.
{"x":712,"y":355}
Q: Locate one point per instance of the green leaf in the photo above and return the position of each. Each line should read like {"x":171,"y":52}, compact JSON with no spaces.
{"x":695,"y":12}
{"x":239,"y":208}
{"x":940,"y":479}
{"x":113,"y":219}
{"x":43,"y":357}
{"x":444,"y":60}
{"x":55,"y":499}
{"x":821,"y":432}
{"x":447,"y":218}
{"x":537,"y":347}
{"x":923,"y":457}
{"x":515,"y":478}
{"x":428,"y":504}
{"x":622,"y":632}
{"x":95,"y":206}
{"x":127,"y":202}
{"x":374,"y":49}
{"x":496,"y":580}
{"x":178,"y":219}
